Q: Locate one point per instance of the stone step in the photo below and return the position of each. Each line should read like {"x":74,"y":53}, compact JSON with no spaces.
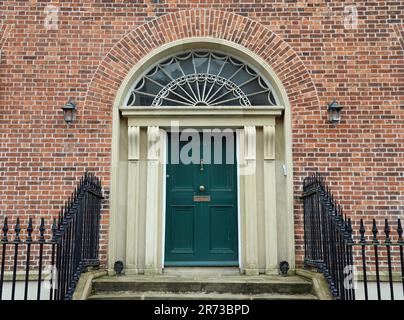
{"x":229,"y":284}
{"x":154,"y":295}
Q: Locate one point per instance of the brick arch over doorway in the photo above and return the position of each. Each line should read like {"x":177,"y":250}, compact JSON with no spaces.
{"x":252,"y":35}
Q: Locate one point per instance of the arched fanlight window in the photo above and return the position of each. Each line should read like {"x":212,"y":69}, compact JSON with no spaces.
{"x":201,"y":78}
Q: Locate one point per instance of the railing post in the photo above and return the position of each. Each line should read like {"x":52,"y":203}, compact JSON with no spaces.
{"x":17,"y":230}
{"x":387,"y":242}
{"x":362,"y":231}
{"x":349,"y":244}
{"x":4,"y":240}
{"x":400,"y":244}
{"x":27,"y":266}
{"x":375,"y":242}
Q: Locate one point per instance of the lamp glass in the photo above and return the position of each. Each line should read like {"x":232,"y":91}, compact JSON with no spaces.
{"x":335,"y":115}
{"x":69,"y":115}
{"x":69,"y":112}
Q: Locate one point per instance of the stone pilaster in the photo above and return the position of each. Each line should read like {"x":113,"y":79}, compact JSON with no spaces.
{"x":271,"y":236}
{"x":250,"y":194}
{"x":132,"y":217}
{"x":151,"y":253}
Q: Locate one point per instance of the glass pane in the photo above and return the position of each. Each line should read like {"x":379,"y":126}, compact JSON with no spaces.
{"x":240,"y":77}
{"x":228,"y":70}
{"x":174,"y":70}
{"x":142,"y":100}
{"x":187,"y":66}
{"x":215,"y":66}
{"x":150,"y":87}
{"x":201,"y":65}
{"x":251,"y":87}
{"x":161,"y":78}
{"x":259,"y":100}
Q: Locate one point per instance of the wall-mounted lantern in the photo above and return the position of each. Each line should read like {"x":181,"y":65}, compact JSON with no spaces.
{"x":69,"y":111}
{"x":334,"y":112}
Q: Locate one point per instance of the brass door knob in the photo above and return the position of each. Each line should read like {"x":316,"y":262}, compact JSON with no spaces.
{"x":201,"y":188}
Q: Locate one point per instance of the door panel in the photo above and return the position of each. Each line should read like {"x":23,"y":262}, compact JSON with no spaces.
{"x":221,"y":239}
{"x":201,"y":225}
{"x":221,"y":177}
{"x":183,"y":181}
{"x":183,"y":218}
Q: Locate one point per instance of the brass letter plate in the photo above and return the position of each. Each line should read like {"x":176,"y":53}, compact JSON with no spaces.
{"x":201,"y":198}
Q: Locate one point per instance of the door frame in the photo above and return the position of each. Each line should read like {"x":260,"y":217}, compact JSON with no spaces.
{"x":152,"y":122}
{"x":164,"y":184}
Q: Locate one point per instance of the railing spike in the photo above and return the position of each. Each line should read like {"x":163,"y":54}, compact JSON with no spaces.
{"x":399,"y":230}
{"x":62,"y":213}
{"x":54,"y":229}
{"x":5,"y":230}
{"x":375,"y":231}
{"x":42,"y":230}
{"x":387,"y":230}
{"x":362,"y":231}
{"x":349,"y":230}
{"x":17,"y":230}
{"x":29,"y":230}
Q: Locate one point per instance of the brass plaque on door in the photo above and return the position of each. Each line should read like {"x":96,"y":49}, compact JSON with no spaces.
{"x":201,"y":198}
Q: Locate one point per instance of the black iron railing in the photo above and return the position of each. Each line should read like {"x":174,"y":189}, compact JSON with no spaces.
{"x":346,"y":256}
{"x":52,"y":257}
{"x":381,"y":260}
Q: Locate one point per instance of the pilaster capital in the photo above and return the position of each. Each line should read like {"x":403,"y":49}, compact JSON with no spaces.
{"x":269,"y":142}
{"x":153,"y":143}
{"x":133,"y":142}
{"x":250,"y":137}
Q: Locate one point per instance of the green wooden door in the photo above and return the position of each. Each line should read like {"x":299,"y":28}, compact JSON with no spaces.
{"x":201,"y":226}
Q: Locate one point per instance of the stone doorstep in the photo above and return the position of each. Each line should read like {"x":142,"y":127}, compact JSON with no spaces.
{"x":152,"y":295}
{"x":204,"y":284}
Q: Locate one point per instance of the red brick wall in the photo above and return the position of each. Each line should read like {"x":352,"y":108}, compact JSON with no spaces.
{"x":305,"y":42}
